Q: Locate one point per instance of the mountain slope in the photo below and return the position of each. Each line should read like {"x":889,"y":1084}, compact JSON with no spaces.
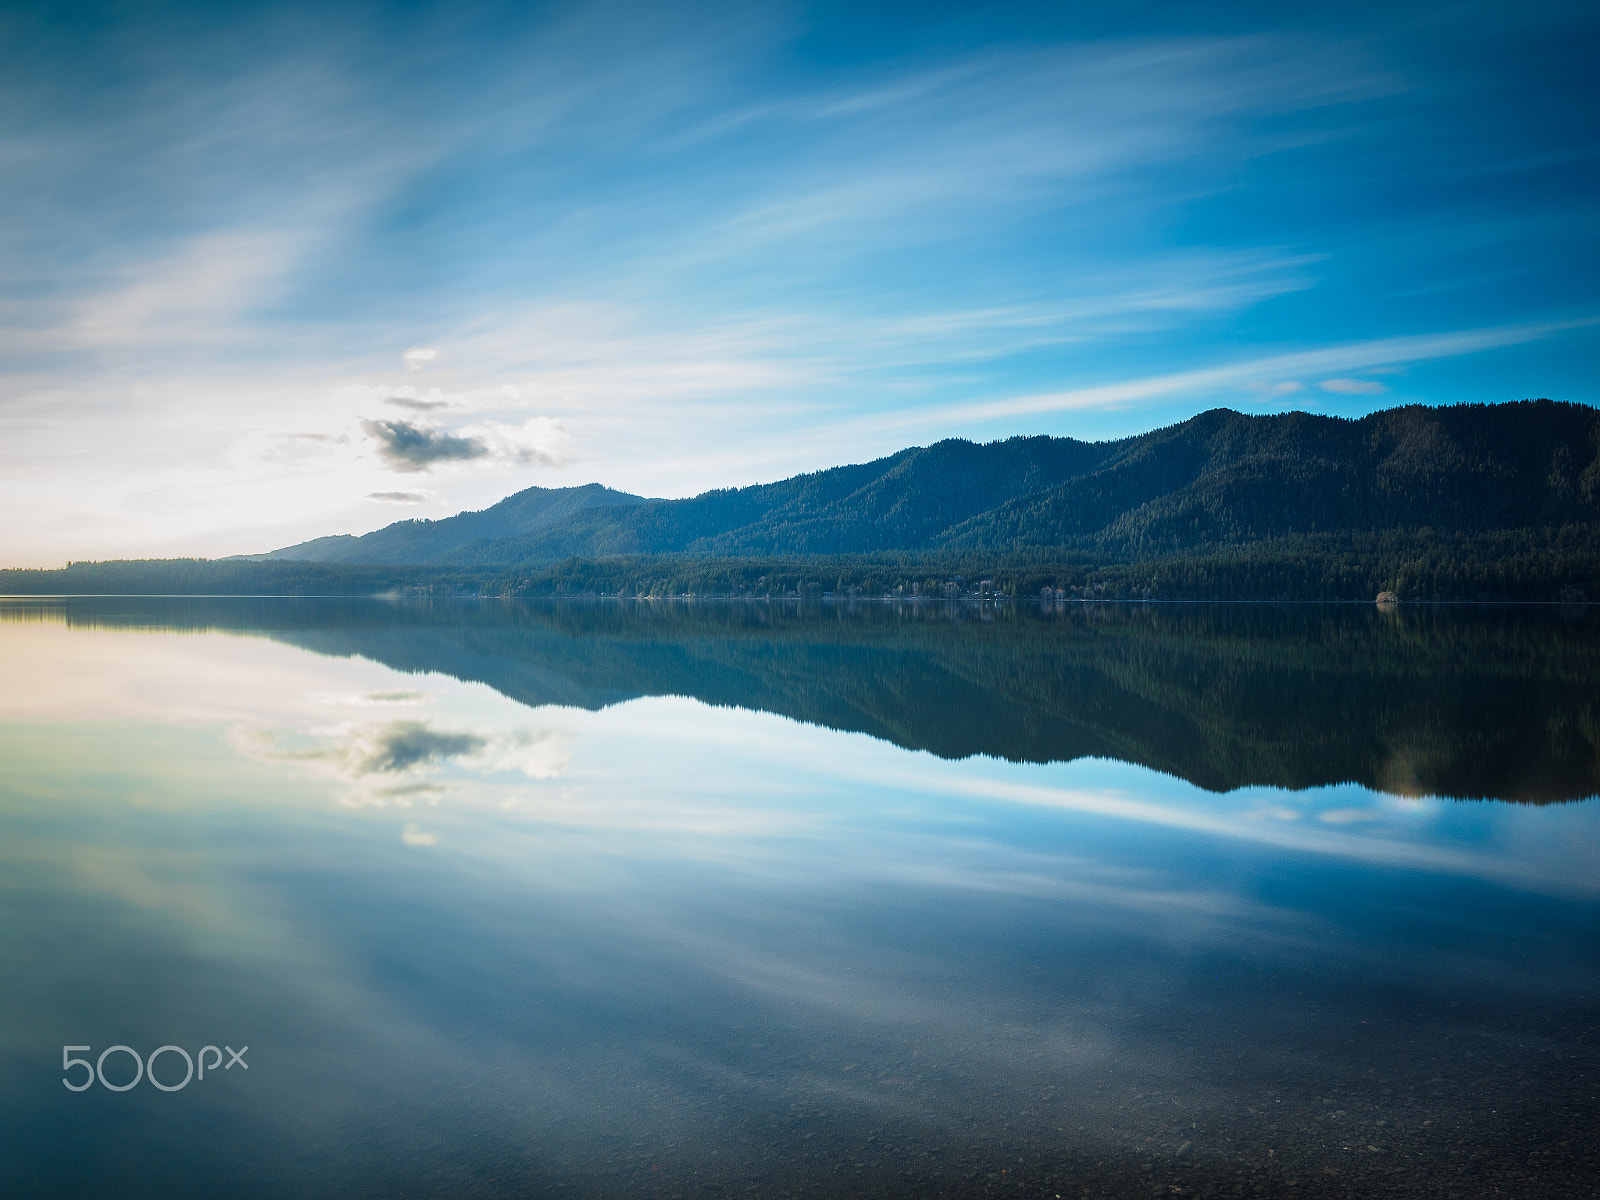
{"x":903,"y":502}
{"x":1221,"y":478}
{"x":428,"y":541}
{"x":1227,"y":478}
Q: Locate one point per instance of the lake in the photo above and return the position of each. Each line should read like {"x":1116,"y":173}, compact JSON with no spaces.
{"x":763,"y":899}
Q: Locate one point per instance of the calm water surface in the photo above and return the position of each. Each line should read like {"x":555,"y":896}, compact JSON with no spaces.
{"x":616,"y":900}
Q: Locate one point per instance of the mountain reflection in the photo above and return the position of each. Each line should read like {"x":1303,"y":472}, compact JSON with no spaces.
{"x":1484,"y":703}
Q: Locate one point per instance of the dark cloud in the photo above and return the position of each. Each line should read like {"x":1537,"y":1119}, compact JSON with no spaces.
{"x":401,"y":745}
{"x":415,"y":404}
{"x":408,"y":447}
{"x":399,"y":497}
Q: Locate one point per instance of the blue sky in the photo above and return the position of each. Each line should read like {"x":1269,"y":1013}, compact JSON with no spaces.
{"x":675,"y":247}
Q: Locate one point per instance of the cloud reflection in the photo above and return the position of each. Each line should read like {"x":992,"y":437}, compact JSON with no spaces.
{"x":391,"y":762}
{"x":415,"y":835}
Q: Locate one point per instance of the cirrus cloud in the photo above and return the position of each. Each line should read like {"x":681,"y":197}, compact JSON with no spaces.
{"x":1287,"y":387}
{"x":1353,"y":387}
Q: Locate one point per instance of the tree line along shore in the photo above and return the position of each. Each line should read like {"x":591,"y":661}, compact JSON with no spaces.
{"x":1561,"y":564}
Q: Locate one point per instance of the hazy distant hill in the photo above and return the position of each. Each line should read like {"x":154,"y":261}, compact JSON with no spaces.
{"x":429,"y":541}
{"x":1221,"y":478}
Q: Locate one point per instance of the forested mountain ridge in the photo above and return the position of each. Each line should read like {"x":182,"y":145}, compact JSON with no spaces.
{"x":1221,"y":478}
{"x":906,"y":501}
{"x":1225,"y":478}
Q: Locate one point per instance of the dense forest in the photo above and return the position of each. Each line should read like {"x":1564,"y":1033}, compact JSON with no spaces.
{"x":1507,"y":565}
{"x":1472,"y":502}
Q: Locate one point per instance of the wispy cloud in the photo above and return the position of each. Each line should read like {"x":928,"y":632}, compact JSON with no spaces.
{"x":401,"y":497}
{"x":407,"y":397}
{"x":896,"y":158}
{"x":1353,"y":387}
{"x":1380,"y":352}
{"x":201,"y":292}
{"x":538,"y":441}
